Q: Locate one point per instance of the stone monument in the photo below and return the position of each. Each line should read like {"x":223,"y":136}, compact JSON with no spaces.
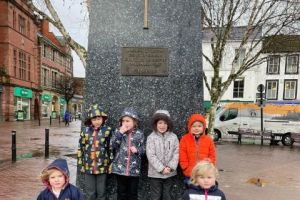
{"x":145,"y":54}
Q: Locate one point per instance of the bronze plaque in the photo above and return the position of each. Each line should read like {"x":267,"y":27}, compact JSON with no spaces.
{"x":144,"y":61}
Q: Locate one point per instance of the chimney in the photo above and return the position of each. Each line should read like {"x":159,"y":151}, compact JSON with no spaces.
{"x":45,"y":26}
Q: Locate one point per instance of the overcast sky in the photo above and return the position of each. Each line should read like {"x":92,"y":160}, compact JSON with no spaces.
{"x":74,"y":16}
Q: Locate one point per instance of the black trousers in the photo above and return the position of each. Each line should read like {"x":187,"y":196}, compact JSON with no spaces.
{"x":161,"y":188}
{"x":127,"y":187}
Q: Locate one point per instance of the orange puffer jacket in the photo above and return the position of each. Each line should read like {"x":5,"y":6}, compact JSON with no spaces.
{"x":191,"y":151}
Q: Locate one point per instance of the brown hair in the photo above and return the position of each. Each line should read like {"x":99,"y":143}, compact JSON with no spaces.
{"x":159,"y":116}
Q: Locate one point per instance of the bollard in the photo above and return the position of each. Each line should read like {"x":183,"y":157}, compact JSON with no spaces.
{"x":13,"y":146}
{"x":50,"y":120}
{"x":46,"y":143}
{"x":39,"y":121}
{"x":58,"y":119}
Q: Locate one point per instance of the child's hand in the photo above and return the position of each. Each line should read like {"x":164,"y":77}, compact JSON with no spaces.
{"x":133,"y":149}
{"x":124,"y":129}
{"x":167,"y":170}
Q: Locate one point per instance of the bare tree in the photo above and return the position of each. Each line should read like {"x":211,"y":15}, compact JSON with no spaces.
{"x":55,"y":20}
{"x":272,"y":17}
{"x":67,"y":86}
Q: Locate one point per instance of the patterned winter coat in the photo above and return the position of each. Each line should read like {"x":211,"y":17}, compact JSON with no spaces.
{"x":125,"y":162}
{"x":162,"y":151}
{"x":95,"y":151}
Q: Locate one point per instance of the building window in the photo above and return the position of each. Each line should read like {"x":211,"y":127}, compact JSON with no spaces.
{"x":290,"y":89}
{"x":238,"y":88}
{"x":54,"y":79}
{"x":273,"y":65}
{"x":291,"y":66}
{"x":28,"y":28}
{"x":22,"y":27}
{"x":272,"y":89}
{"x":29,"y":68}
{"x":15,"y":62}
{"x":45,"y":51}
{"x":45,"y":77}
{"x":239,"y":61}
{"x":22,"y":65}
{"x":14,"y":19}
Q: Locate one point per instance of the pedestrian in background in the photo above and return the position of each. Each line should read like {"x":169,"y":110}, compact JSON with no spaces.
{"x":128,"y":145}
{"x":195,"y":145}
{"x":56,"y":179}
{"x":95,"y":152}
{"x":162,"y":151}
{"x":203,"y":183}
{"x":67,"y":118}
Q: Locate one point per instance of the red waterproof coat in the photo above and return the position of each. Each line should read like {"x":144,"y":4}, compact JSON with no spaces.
{"x":192,"y":151}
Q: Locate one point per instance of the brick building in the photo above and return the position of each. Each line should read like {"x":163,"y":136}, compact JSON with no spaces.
{"x":32,"y":61}
{"x":55,"y":61}
{"x":18,"y":61}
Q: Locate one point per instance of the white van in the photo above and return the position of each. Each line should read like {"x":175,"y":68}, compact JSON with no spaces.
{"x":281,"y":118}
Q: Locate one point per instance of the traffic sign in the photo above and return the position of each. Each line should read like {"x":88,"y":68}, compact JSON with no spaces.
{"x":261,"y":95}
{"x":260,"y":88}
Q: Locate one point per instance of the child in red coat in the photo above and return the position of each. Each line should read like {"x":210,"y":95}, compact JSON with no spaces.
{"x":195,"y":145}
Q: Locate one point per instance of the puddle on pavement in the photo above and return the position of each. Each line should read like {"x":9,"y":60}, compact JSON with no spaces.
{"x":74,"y":155}
{"x":257,"y":182}
{"x":35,"y":138}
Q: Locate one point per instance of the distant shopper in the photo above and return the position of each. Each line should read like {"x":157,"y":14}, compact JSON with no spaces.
{"x":162,"y":151}
{"x":56,"y":179}
{"x":195,"y":145}
{"x":203,"y":183}
{"x":128,"y":145}
{"x":95,"y":153}
{"x":67,"y":117}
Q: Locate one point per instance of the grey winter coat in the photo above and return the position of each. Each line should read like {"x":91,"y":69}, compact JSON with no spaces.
{"x":162,"y":151}
{"x":125,"y":162}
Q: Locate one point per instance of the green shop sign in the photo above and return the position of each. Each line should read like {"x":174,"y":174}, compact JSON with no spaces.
{"x":23,"y":92}
{"x":46,"y":97}
{"x":62,"y":101}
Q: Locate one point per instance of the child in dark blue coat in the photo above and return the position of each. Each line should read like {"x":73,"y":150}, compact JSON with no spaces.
{"x":56,"y":179}
{"x":203,"y":187}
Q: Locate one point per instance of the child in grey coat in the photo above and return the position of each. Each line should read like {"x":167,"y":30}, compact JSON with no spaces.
{"x":162,"y":151}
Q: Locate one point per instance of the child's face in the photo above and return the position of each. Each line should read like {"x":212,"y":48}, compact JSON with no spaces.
{"x":97,"y":121}
{"x":128,"y":122}
{"x":197,"y":128}
{"x":207,"y":180}
{"x":161,"y":126}
{"x":57,"y":180}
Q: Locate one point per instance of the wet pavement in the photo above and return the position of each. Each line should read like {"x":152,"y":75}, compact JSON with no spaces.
{"x":277,"y":167}
{"x":20,"y":180}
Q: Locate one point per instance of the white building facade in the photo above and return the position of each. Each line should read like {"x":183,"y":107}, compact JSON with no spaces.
{"x":279,"y":72}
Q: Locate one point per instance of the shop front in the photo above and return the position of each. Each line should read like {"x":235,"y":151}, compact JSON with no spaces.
{"x":22,"y":98}
{"x":46,"y":105}
{"x":62,"y":102}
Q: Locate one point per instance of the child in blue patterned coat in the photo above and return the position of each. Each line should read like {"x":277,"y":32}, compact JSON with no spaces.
{"x":95,"y":153}
{"x":128,"y":145}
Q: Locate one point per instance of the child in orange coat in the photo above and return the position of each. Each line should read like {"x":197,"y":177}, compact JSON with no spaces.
{"x":195,"y":145}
